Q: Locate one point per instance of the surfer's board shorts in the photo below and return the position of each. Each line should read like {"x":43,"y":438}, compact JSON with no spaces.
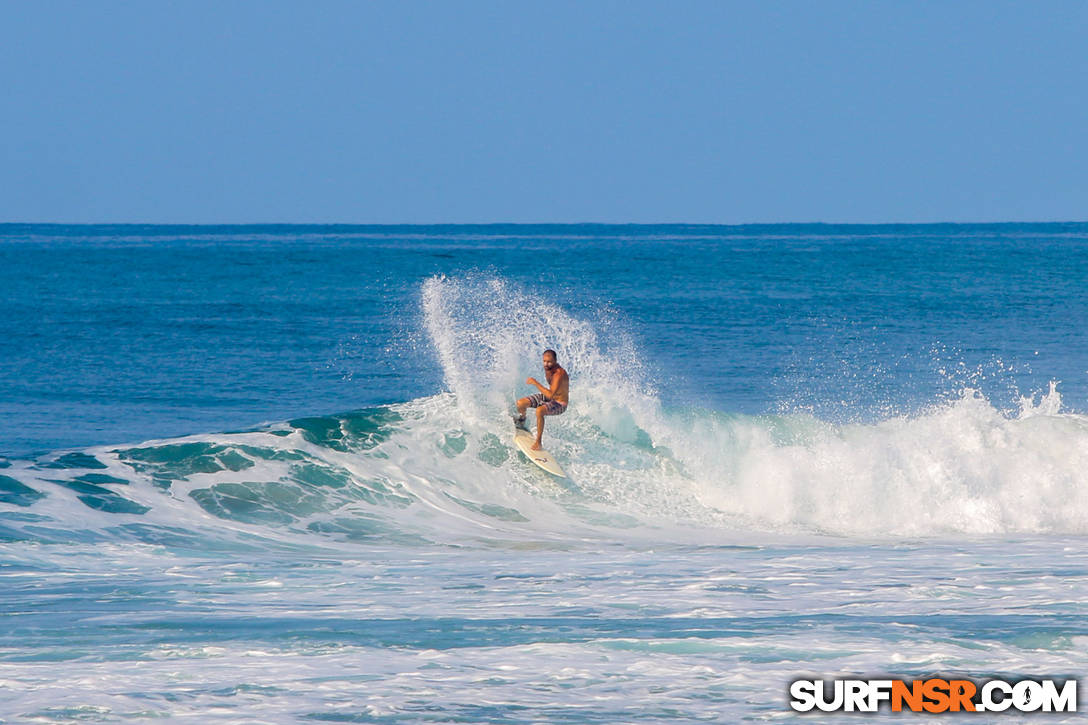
{"x":551,"y":407}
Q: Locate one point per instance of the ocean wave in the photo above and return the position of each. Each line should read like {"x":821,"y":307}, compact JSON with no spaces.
{"x":419,"y":473}
{"x":443,"y":470}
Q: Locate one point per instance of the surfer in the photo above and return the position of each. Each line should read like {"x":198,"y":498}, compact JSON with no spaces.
{"x":551,"y":400}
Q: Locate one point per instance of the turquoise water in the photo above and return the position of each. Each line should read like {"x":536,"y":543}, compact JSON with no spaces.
{"x":264,"y":474}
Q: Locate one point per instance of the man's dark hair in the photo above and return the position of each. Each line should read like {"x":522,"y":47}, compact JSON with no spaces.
{"x":556,"y":357}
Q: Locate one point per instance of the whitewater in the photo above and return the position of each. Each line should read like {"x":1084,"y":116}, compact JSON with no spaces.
{"x":401,"y":562}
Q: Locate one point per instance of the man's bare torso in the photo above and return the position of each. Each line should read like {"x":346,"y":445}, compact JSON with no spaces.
{"x":562,"y":392}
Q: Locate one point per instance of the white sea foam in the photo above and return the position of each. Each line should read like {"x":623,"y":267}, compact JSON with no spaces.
{"x":541,"y":636}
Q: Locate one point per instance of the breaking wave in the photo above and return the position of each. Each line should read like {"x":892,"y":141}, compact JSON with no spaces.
{"x":443,"y":469}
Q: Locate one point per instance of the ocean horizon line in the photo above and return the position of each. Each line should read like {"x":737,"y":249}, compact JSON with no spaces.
{"x":533,"y":225}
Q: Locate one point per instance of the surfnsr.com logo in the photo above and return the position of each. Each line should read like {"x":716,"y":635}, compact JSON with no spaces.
{"x":934,"y":695}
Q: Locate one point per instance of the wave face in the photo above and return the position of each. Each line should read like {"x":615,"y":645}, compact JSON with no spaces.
{"x":443,"y":469}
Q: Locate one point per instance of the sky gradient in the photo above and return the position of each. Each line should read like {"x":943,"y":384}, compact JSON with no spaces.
{"x":433,"y":112}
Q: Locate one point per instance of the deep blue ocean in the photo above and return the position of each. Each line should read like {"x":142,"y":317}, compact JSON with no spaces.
{"x":265,"y":473}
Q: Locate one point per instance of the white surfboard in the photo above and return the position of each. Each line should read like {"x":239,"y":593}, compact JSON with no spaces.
{"x":524,"y":439}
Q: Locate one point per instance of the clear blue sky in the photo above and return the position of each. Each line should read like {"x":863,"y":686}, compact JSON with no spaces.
{"x":626,"y":111}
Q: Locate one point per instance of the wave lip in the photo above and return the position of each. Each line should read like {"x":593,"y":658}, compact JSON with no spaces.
{"x":961,"y":468}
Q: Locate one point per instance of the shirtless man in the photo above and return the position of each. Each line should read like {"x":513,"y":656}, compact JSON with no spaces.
{"x":551,"y":400}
